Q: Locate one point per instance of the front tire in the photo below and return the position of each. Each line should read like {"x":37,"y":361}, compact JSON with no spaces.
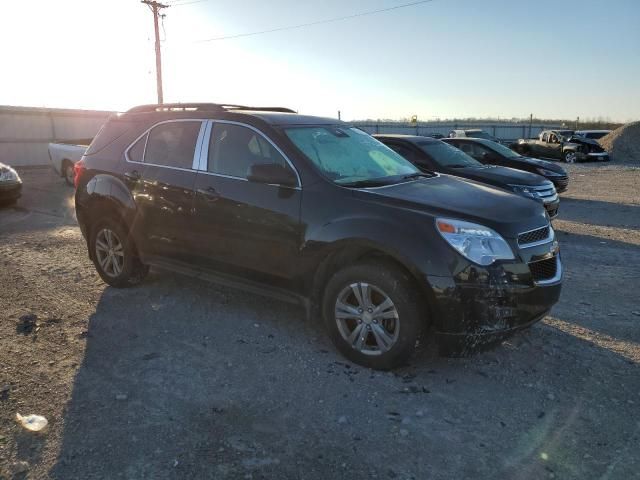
{"x":114,"y":254}
{"x":373,"y":314}
{"x":570,"y":157}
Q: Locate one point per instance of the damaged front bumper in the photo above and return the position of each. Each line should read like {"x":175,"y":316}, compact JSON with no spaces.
{"x":482,"y":305}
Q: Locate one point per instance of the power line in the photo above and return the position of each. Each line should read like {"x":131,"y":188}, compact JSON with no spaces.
{"x":309,"y":24}
{"x":179,"y":4}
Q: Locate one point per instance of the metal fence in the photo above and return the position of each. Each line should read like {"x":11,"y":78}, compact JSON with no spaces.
{"x":502,"y":131}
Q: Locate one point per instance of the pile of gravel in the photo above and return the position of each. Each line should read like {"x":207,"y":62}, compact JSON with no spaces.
{"x":623,"y":144}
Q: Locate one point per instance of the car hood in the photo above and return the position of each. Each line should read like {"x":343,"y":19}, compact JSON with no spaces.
{"x":536,"y":162}
{"x":448,"y":196}
{"x":498,"y":176}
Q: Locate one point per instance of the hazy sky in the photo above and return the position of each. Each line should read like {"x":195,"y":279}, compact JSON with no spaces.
{"x":506,"y":58}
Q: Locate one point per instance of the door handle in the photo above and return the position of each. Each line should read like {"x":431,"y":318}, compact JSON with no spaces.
{"x":133,"y":176}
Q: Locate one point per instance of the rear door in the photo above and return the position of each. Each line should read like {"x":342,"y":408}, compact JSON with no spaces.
{"x":240,"y":225}
{"x":161,"y":175}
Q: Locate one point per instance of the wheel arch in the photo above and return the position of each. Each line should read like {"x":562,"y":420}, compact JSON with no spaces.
{"x":106,"y":196}
{"x":345,"y":253}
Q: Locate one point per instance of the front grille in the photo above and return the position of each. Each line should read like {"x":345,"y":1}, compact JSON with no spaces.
{"x":544,"y":269}
{"x":561,"y":182}
{"x":533,"y":236}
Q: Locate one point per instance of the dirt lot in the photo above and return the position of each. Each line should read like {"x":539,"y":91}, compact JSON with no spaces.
{"x":182,"y":379}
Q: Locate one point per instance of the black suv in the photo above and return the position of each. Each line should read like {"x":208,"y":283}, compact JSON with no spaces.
{"x":315,"y":211}
{"x":433,"y":155}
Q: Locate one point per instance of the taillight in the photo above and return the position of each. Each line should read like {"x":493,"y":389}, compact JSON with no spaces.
{"x":78,"y":171}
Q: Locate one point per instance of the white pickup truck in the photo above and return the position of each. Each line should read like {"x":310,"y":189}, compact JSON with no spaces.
{"x":65,"y":154}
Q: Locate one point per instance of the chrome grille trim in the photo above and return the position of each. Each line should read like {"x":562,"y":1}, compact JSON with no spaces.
{"x":522,"y":237}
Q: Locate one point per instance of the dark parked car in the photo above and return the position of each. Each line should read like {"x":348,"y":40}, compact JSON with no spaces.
{"x":312,"y":210}
{"x":437,"y":156}
{"x":562,"y":145}
{"x":492,"y":153}
{"x":10,"y":185}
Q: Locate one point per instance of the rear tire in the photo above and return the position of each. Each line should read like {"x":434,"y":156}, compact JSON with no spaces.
{"x":373,"y":314}
{"x":68,"y":172}
{"x":114,"y":254}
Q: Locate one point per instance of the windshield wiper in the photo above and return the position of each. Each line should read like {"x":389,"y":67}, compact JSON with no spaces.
{"x":364,"y":183}
{"x":458,"y":166}
{"x":417,"y":175}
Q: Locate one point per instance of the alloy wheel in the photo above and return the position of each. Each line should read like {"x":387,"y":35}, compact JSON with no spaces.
{"x":367,"y":318}
{"x":570,"y":157}
{"x":109,"y":252}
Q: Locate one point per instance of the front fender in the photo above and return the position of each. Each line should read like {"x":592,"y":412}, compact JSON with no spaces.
{"x":416,"y":245}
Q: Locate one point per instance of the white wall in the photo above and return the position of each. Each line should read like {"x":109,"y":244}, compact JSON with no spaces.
{"x":25,"y":132}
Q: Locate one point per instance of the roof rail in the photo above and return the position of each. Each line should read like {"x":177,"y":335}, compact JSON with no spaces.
{"x":260,"y":109}
{"x":215,"y":107}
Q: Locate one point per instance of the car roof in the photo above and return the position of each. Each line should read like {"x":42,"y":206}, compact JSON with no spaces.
{"x":282,"y":118}
{"x":409,"y":138}
{"x":592,"y":131}
{"x":271,"y":115}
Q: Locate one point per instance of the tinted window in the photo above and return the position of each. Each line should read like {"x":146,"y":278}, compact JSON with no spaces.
{"x":136,"y":152}
{"x":172,"y":144}
{"x":403,"y":150}
{"x":480,"y":134}
{"x":595,"y":135}
{"x":445,"y":155}
{"x":497,"y":147}
{"x":233,"y":149}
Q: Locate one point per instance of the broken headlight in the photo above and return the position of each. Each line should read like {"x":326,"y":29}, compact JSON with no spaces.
{"x":478,"y":243}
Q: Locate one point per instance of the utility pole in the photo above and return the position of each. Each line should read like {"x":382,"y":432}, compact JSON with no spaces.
{"x":155,"y":8}
{"x":530,"y":124}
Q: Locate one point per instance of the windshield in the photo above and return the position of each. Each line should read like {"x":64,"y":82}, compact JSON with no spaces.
{"x":350,"y":156}
{"x":479,"y":134}
{"x":565,"y":133}
{"x":595,"y":135}
{"x":499,"y":148}
{"x":446,"y":155}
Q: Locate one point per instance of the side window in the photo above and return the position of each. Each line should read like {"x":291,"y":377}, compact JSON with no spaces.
{"x":545,"y":137}
{"x":480,"y":151}
{"x":405,"y":152}
{"x":553,"y":138}
{"x":468,"y":148}
{"x":136,"y":152}
{"x":233,"y":149}
{"x":172,"y":144}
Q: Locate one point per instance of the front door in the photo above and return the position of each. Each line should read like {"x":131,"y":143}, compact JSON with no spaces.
{"x":161,"y":176}
{"x":239,"y":224}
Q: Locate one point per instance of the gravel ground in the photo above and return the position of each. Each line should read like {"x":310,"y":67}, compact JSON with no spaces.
{"x":178,"y":378}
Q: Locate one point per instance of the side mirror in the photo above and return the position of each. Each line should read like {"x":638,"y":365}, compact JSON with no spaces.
{"x":273,"y":174}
